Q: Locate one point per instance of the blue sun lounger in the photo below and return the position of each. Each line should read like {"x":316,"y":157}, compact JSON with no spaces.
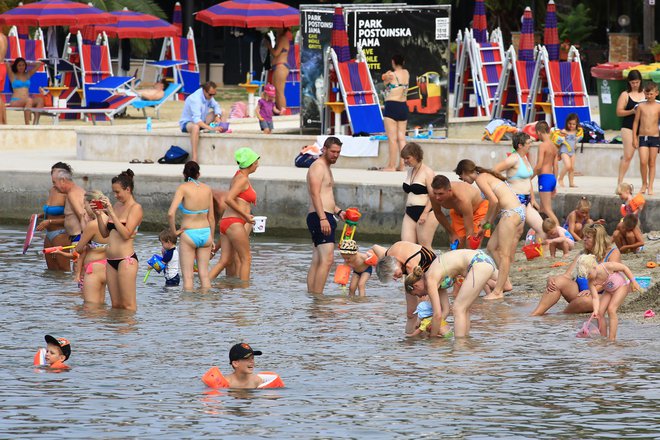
{"x":142,"y":104}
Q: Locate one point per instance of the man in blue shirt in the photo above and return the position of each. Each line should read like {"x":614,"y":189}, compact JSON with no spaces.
{"x":196,"y":114}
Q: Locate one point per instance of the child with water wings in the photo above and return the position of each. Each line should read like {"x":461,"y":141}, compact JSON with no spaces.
{"x":168,"y":240}
{"x":266,"y":108}
{"x":646,"y":134}
{"x":557,"y":237}
{"x":613,"y":279}
{"x":241,"y":359}
{"x":631,"y":205}
{"x":628,"y":236}
{"x":579,"y":218}
{"x":356,"y":261}
{"x":56,"y":352}
{"x":567,"y":152}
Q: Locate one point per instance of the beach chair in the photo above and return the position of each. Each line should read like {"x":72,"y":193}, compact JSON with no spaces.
{"x":358,"y":93}
{"x":142,"y":104}
{"x":479,"y":68}
{"x":182,"y":49}
{"x":567,"y":90}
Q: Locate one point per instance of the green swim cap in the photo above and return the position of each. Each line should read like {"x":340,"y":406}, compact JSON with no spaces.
{"x":245,"y":157}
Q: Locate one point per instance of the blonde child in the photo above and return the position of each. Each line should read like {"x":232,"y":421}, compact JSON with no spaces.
{"x":628,"y":236}
{"x":567,"y":155}
{"x":424,"y":314}
{"x":266,"y":108}
{"x":579,"y":218}
{"x":609,"y":277}
{"x":557,"y":237}
{"x":631,"y":205}
{"x":646,"y":134}
{"x":356,"y":260}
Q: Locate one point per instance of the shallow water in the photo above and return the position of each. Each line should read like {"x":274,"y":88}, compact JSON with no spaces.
{"x":349,"y":371}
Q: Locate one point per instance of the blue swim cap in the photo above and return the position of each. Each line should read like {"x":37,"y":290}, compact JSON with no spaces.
{"x":424,"y":309}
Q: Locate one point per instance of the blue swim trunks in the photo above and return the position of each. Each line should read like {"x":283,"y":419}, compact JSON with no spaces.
{"x":547,"y":182}
{"x":368,"y":270}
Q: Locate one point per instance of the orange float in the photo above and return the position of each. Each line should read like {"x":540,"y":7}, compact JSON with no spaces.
{"x":651,"y":265}
{"x":342,"y":274}
{"x":213,"y":378}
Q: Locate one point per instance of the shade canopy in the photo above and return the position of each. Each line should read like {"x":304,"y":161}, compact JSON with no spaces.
{"x":339,"y":36}
{"x":550,"y":33}
{"x":134,"y":25}
{"x":250,"y":14}
{"x":479,"y":24}
{"x":177,"y":18}
{"x":526,"y":47}
{"x":55,"y":13}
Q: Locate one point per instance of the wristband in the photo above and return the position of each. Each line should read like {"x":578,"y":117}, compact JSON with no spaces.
{"x":321,"y":219}
{"x":486,"y":226}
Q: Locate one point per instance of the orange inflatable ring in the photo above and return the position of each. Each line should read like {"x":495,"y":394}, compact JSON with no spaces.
{"x":214,"y":379}
{"x":651,"y":265}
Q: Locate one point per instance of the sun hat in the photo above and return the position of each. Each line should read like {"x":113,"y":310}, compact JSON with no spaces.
{"x":424,"y":310}
{"x":64,"y":345}
{"x":242,"y":351}
{"x":348,"y":247}
{"x":245,"y":157}
{"x":269,"y":89}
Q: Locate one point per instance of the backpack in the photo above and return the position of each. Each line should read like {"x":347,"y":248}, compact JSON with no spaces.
{"x":174,"y":155}
{"x":308,"y":154}
{"x":593,"y":134}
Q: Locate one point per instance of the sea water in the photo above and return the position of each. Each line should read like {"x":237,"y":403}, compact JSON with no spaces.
{"x":348,"y":369}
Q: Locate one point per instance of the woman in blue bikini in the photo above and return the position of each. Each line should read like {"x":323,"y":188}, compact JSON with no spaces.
{"x":53,"y":224}
{"x":19,"y":75}
{"x":123,"y":220}
{"x":503,"y":241}
{"x":195,"y":201}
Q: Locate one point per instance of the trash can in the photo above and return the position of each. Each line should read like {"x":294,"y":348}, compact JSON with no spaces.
{"x":610,"y":82}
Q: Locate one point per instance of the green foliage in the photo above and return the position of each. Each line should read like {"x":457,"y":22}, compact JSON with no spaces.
{"x":655,"y":48}
{"x":576,"y":26}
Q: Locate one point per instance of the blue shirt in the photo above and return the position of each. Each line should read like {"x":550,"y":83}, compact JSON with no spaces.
{"x":196,"y":108}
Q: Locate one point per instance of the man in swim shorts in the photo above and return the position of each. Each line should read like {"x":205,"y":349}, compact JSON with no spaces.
{"x":546,"y":169}
{"x":466,"y":207}
{"x":321,"y":215}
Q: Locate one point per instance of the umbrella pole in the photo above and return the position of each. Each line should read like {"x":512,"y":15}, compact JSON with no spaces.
{"x":120,"y":72}
{"x":251,"y":66}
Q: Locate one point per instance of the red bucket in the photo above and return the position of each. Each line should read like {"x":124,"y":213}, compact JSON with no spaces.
{"x":342,"y":274}
{"x":533,"y":251}
{"x":474,"y":241}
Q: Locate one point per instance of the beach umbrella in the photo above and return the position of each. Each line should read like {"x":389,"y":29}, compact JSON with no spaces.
{"x":550,"y":33}
{"x":526,"y":46}
{"x":339,"y":36}
{"x":177,"y":19}
{"x":134,"y":25}
{"x":250,"y":14}
{"x":55,"y":13}
{"x":479,"y":25}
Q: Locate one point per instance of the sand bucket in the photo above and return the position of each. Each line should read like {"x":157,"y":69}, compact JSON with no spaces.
{"x":644,"y":282}
{"x":474,"y":241}
{"x":259,"y":224}
{"x":342,"y":274}
{"x":533,"y":251}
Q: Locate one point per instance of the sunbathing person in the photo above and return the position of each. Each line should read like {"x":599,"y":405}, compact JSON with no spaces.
{"x":154,"y":92}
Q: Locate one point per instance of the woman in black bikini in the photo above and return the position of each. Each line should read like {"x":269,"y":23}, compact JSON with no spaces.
{"x":419,"y":223}
{"x":395,"y":114}
{"x":625,"y":109}
{"x":123,"y":220}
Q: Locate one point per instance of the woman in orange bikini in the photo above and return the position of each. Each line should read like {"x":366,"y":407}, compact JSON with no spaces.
{"x":232,"y":226}
{"x":280,"y":65}
{"x":123,"y":220}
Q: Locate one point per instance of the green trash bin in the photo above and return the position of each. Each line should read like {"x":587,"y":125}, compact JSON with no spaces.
{"x":610,"y":83}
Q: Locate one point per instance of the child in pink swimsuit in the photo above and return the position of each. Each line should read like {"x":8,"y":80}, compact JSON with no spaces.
{"x":609,"y":277}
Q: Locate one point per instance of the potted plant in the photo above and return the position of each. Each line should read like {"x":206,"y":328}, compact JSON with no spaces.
{"x":655,"y":50}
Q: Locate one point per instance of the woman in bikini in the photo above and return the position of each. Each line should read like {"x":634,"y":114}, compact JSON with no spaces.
{"x":280,"y":65}
{"x":503,"y":241}
{"x":53,"y":224}
{"x":123,"y":220}
{"x":596,"y":242}
{"x":19,"y":75}
{"x":195,"y":201}
{"x":395,"y":113}
{"x":519,"y":173}
{"x":419,"y":223}
{"x":402,"y":259}
{"x":92,"y":246}
{"x":234,"y":237}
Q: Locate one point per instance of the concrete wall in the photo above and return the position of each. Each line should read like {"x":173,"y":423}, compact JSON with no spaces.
{"x":21,"y":137}
{"x":285,"y":202}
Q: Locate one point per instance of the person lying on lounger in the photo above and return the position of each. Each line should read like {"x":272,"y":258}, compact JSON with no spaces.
{"x":153,"y":92}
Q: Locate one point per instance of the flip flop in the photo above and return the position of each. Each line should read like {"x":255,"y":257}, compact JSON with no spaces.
{"x":135,"y":161}
{"x":147,"y":161}
{"x":375,"y":169}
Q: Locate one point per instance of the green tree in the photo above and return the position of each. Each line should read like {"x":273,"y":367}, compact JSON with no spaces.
{"x":576,"y":26}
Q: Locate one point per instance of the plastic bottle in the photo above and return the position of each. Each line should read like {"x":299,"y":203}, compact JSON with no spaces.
{"x":149,"y":124}
{"x":430,"y":131}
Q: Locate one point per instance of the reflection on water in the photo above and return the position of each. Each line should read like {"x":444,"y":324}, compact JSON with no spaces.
{"x":349,"y":371}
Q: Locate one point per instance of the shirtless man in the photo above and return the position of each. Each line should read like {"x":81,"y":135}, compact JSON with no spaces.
{"x":320,"y":218}
{"x":74,"y":206}
{"x":155,"y":92}
{"x":466,"y":207}
{"x":546,"y":169}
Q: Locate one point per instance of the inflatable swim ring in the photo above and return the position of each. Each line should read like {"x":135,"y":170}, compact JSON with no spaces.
{"x":651,"y":265}
{"x":214,"y":379}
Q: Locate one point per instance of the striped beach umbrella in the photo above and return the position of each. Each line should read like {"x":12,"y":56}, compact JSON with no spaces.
{"x":55,"y":13}
{"x":339,"y":36}
{"x":250,"y":14}
{"x":479,"y":24}
{"x":134,"y":25}
{"x":177,"y":18}
{"x":550,"y":33}
{"x":23,"y":31}
{"x":526,"y":46}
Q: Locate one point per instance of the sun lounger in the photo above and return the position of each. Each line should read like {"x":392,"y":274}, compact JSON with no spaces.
{"x":142,"y":104}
